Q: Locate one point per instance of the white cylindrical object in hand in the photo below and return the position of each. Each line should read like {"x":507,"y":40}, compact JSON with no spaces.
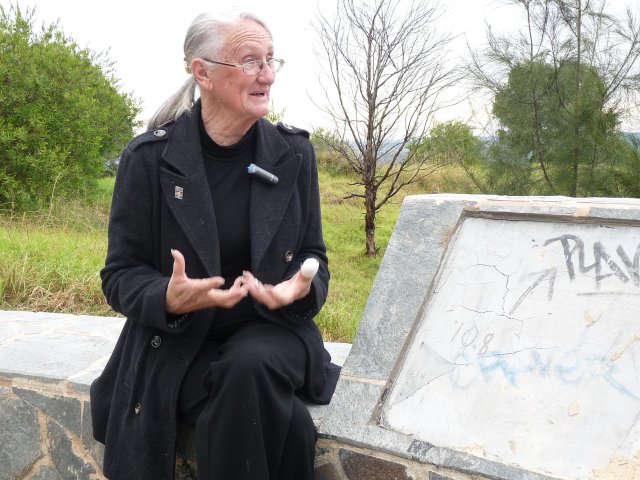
{"x":309,"y":268}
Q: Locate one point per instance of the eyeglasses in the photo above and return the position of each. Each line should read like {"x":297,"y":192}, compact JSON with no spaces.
{"x":253,"y":67}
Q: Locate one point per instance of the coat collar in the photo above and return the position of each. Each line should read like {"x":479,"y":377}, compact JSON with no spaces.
{"x":184,"y":145}
{"x":186,"y":189}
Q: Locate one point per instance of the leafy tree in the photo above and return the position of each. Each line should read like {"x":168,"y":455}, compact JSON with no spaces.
{"x":454,"y":144}
{"x":387,"y":68}
{"x":623,"y":178}
{"x":568,"y":131}
{"x":561,"y":87}
{"x":61,"y":114}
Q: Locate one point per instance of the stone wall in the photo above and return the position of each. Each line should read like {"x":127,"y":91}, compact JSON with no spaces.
{"x":341,"y":461}
{"x":47,"y":363}
{"x":45,"y":432}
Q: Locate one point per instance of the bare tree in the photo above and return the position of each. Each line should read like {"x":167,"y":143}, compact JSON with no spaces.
{"x":387,"y":71}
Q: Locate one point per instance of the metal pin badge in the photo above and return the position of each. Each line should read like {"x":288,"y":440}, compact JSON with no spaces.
{"x":178,"y":193}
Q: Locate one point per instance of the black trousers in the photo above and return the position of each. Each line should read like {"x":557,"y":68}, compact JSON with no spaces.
{"x":239,"y":394}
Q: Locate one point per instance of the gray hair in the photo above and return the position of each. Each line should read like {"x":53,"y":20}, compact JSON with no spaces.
{"x":206,"y":36}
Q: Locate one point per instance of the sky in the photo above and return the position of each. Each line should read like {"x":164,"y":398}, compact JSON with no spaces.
{"x":144,"y":38}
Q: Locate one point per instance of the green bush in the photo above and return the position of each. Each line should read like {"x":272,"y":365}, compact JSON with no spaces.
{"x":61,"y":114}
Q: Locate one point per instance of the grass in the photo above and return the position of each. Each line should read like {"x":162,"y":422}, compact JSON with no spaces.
{"x":50,"y":260}
{"x":352,"y":272}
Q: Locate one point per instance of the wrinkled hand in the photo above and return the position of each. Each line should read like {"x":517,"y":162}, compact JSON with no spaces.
{"x":280,"y":295}
{"x":186,"y":294}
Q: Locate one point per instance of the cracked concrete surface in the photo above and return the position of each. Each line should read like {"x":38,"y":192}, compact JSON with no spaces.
{"x":527,"y":346}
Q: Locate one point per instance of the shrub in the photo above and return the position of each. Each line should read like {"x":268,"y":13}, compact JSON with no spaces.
{"x":61,"y":114}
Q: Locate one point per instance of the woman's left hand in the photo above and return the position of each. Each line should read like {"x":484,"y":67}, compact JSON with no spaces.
{"x":280,"y":295}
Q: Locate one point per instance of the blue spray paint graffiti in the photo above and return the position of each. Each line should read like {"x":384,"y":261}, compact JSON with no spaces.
{"x":569,"y":368}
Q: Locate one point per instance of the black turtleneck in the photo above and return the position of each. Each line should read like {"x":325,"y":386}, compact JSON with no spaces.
{"x":230,"y":185}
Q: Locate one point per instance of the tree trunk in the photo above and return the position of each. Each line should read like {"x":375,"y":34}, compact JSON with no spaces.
{"x":577,"y":102}
{"x":370,"y":220}
{"x":370,"y":195}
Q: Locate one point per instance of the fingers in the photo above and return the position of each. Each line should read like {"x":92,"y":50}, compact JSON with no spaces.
{"x":257,"y":290}
{"x":196,"y":294}
{"x":304,"y":282}
{"x":229,"y":298}
{"x":255,"y":287}
{"x":277,"y":296}
{"x":178,"y":264}
{"x":309,"y":268}
{"x":185,"y":294}
{"x":179,"y":274}
{"x":238,"y":284}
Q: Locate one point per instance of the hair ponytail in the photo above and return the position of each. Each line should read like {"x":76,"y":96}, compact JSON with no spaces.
{"x":179,"y":103}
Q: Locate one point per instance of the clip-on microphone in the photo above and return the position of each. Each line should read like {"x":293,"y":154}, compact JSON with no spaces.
{"x":261,"y":174}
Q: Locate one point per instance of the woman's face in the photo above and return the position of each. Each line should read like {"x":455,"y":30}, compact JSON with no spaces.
{"x":233,"y":92}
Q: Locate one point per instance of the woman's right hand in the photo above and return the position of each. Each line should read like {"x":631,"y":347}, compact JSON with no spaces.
{"x":186,"y":294}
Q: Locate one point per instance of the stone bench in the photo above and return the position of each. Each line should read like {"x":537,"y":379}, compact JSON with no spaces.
{"x":47,"y":363}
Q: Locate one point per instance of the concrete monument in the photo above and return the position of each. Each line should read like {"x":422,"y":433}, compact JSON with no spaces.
{"x":501,"y":339}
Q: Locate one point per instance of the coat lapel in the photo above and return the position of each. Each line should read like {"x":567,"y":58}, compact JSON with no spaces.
{"x":187,"y":192}
{"x":186,"y":189}
{"x":269,"y":202}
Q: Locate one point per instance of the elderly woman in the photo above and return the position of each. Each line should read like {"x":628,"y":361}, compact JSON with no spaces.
{"x":204,"y":261}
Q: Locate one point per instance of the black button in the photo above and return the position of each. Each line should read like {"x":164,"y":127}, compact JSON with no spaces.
{"x":288,"y":256}
{"x":156,"y":341}
{"x":138,"y":408}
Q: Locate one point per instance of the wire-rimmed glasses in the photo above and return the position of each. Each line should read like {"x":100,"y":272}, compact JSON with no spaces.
{"x":253,"y":67}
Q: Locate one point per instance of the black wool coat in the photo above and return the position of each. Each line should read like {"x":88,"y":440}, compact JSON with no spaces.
{"x":161,"y":201}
